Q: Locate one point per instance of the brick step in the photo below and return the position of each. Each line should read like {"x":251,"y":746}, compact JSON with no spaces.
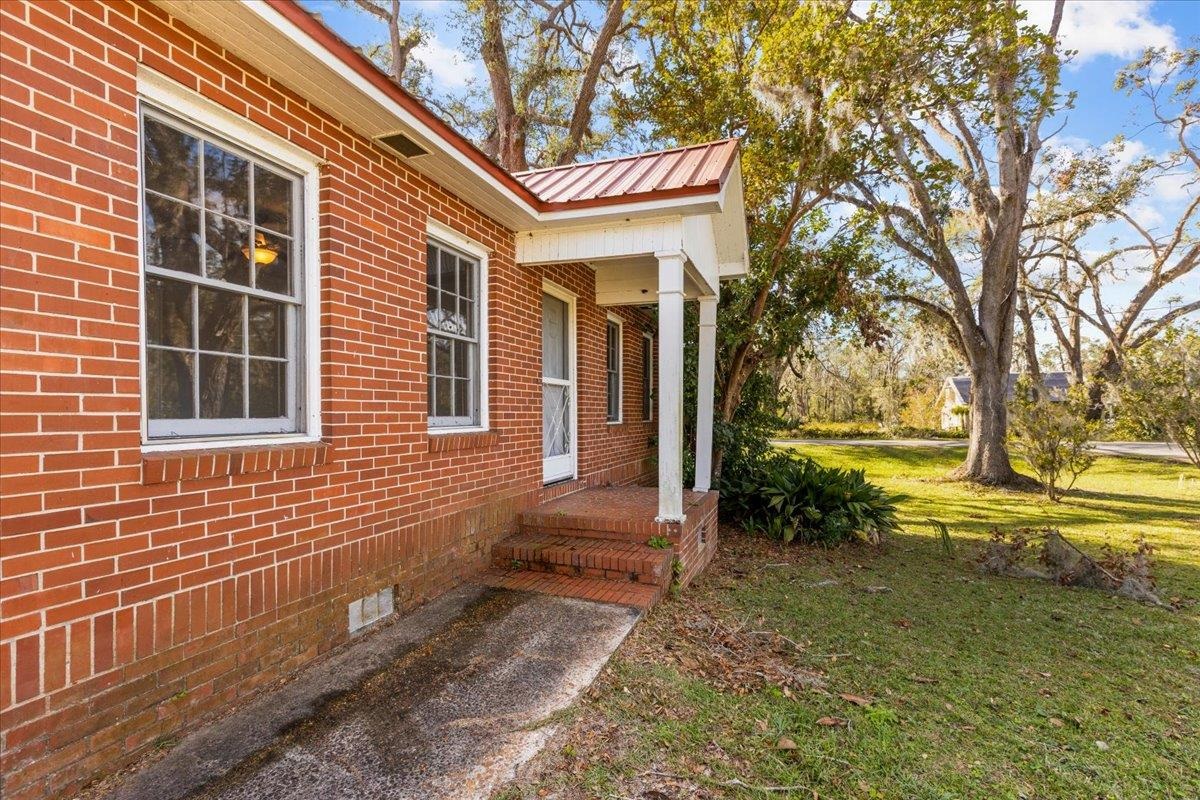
{"x":585,"y":557}
{"x":550,"y":527}
{"x":638,"y":595}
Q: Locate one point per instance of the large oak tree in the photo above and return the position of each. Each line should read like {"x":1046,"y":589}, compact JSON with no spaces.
{"x":942,"y":103}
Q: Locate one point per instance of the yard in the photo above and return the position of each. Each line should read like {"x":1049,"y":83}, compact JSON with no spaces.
{"x":901,"y":672}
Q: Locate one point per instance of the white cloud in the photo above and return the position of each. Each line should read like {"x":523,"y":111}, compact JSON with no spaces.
{"x":449,"y":68}
{"x":1121,"y":28}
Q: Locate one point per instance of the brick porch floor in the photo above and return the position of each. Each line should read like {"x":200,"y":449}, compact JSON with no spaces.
{"x":594,"y":544}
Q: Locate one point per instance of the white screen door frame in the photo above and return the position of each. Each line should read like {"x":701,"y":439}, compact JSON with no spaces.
{"x":562,"y":466}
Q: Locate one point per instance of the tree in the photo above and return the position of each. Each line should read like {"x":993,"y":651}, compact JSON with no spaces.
{"x":550,"y":69}
{"x":545,"y":62}
{"x":941,"y":103}
{"x":403,"y":36}
{"x":697,"y":87}
{"x":1161,"y":386}
{"x":1167,"y":80}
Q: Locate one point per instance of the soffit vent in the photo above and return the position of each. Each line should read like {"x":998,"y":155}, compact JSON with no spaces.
{"x":402,"y":145}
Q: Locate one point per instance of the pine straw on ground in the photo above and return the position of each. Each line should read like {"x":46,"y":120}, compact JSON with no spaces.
{"x":698,"y":636}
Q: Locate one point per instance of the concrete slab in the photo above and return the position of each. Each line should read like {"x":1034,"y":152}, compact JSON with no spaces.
{"x":444,"y":703}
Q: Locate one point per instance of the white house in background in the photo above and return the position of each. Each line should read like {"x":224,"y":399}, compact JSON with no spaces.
{"x":956,"y":396}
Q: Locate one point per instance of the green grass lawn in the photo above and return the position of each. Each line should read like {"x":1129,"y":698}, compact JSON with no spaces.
{"x":974,"y":686}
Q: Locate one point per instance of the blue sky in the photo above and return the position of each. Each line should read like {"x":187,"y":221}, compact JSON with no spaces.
{"x":1106,"y":33}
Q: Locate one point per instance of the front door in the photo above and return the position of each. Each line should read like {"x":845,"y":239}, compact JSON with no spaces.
{"x":558,"y":389}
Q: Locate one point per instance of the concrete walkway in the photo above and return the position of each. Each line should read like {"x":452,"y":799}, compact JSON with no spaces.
{"x":444,"y":703}
{"x":1168,"y":451}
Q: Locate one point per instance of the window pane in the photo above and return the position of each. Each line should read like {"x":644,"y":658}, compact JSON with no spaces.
{"x":554,"y":337}
{"x":466,"y":278}
{"x":441,"y":356}
{"x":268,"y":328}
{"x":431,"y":290}
{"x":226,"y":246}
{"x":221,"y":387}
{"x":169,"y":384}
{"x":463,"y":358}
{"x":272,"y":200}
{"x":462,"y":397}
{"x":446,"y":275}
{"x":272,"y":259}
{"x":268,"y":384}
{"x":172,"y":161}
{"x":443,"y":397}
{"x":226,"y":182}
{"x":172,"y":234}
{"x":220,"y":321}
{"x":169,"y":313}
{"x":466,"y":317}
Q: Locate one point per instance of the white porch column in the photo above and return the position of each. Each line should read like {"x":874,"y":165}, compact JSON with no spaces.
{"x":670,"y":385}
{"x":705,"y":371}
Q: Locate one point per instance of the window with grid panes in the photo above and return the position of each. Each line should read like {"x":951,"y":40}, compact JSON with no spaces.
{"x":612,"y":369}
{"x":223,"y":293}
{"x":452,"y":306}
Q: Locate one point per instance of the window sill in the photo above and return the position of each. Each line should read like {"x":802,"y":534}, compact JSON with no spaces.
{"x":449,"y":441}
{"x":186,"y":465}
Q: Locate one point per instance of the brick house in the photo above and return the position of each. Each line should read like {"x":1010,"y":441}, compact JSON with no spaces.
{"x":283,"y":353}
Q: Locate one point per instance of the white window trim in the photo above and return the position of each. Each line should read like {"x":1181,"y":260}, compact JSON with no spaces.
{"x":446,"y":235}
{"x":648,"y":375}
{"x":620,"y":323}
{"x":191,"y":107}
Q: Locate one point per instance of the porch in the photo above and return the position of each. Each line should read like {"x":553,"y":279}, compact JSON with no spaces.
{"x":687,"y":237}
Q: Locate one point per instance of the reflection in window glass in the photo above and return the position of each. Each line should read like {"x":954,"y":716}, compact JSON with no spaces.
{"x":452,"y":302}
{"x":221,"y":300}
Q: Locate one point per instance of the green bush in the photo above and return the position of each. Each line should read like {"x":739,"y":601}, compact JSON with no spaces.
{"x":1054,"y":438}
{"x":865,"y":430}
{"x":791,"y":498}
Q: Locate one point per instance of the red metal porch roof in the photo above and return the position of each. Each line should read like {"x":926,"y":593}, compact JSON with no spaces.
{"x":678,"y":172}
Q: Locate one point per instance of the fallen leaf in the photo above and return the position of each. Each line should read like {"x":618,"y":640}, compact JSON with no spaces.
{"x":858,"y":700}
{"x":785,"y":744}
{"x":1056,"y":722}
{"x":902,"y":623}
{"x":832,"y":722}
{"x":923,"y":679}
{"x":760,"y":725}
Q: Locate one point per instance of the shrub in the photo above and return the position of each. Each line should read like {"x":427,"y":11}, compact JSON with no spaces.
{"x":796,"y":499}
{"x":1053,"y":437}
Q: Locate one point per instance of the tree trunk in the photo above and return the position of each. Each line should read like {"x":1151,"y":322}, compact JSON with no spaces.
{"x":987,"y":457}
{"x":1108,"y":372}
{"x":1029,"y":342}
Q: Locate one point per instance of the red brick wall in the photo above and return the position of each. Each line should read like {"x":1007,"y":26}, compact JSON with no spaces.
{"x":141,"y":594}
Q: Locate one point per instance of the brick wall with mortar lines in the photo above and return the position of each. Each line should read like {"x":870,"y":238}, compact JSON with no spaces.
{"x":140,"y":595}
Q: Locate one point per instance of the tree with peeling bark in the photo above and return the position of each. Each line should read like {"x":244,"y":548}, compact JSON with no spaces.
{"x":404,"y":34}
{"x":943,"y":102}
{"x":1075,"y":192}
{"x":549,"y":66}
{"x":1156,"y":260}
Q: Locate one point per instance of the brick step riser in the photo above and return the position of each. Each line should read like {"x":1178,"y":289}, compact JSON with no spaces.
{"x":617,"y":576}
{"x":657,"y":565}
{"x":550,"y":529}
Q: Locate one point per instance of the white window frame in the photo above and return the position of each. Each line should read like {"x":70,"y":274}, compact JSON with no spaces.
{"x":169,"y":98}
{"x":620,"y":323}
{"x":648,"y":377}
{"x":442,"y":234}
